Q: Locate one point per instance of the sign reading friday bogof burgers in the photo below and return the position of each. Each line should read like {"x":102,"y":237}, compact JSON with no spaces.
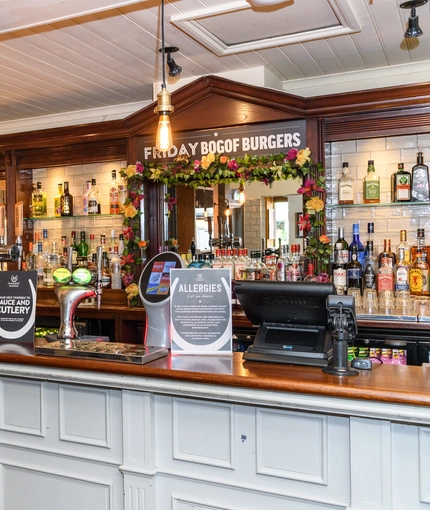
{"x":17,"y":309}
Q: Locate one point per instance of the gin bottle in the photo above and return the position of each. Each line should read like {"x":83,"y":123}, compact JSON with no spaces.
{"x":420,"y":180}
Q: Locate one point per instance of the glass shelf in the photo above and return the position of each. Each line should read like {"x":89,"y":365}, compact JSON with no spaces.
{"x":86,"y":216}
{"x":384,"y":204}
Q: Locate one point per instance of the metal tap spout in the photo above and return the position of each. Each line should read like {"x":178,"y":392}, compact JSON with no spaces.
{"x":99,"y":286}
{"x":69,"y":297}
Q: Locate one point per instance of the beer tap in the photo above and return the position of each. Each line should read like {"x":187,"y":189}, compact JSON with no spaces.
{"x":99,"y":285}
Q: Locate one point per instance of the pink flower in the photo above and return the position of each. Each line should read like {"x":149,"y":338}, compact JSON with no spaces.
{"x":292,"y":153}
{"x":127,"y":279}
{"x":308,"y":187}
{"x":128,"y":233}
{"x":127,"y":259}
{"x":196,"y":165}
{"x":139,"y":167}
{"x":232,"y":165}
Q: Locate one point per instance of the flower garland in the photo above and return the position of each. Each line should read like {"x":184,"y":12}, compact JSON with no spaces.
{"x":213,"y":169}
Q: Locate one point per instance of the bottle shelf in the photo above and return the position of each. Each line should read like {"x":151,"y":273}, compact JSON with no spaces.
{"x":383,"y":204}
{"x":86,"y":216}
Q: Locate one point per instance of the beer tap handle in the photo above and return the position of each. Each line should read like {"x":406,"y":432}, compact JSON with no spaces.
{"x":99,"y":275}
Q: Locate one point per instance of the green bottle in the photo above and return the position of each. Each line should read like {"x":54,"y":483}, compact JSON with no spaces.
{"x":82,"y":247}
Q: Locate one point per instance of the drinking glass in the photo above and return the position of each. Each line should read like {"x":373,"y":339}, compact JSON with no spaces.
{"x":357,"y":295}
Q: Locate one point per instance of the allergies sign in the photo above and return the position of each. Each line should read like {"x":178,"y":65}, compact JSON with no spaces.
{"x":258,"y":140}
{"x":17,"y":310}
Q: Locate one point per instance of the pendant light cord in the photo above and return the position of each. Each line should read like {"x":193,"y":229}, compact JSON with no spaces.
{"x":163,"y":86}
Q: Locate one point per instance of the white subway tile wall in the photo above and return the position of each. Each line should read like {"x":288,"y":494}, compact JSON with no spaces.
{"x":390,"y":219}
{"x":77,"y":175}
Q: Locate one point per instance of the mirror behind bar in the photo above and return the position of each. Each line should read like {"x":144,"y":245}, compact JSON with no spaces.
{"x":292,"y":321}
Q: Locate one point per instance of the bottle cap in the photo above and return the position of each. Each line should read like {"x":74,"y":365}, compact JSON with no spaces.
{"x":112,"y":233}
{"x":356,"y":228}
{"x":345,"y":164}
{"x":370,"y":228}
{"x":371,"y":162}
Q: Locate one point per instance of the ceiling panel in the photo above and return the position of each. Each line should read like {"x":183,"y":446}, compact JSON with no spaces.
{"x":99,"y":54}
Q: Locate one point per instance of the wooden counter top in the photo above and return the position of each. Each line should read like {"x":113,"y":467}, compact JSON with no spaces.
{"x":384,"y":383}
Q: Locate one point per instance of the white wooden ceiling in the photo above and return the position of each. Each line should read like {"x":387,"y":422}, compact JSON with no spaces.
{"x":81,"y":60}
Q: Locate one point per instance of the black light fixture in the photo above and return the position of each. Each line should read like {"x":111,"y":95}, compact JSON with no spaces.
{"x":174,"y":69}
{"x":413,"y":29}
{"x":164,"y":108}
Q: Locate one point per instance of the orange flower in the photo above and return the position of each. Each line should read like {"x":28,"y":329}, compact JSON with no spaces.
{"x":142,"y":244}
{"x":223,"y":160}
{"x":324,"y":239}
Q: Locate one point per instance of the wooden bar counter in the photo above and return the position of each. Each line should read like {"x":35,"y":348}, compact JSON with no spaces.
{"x":212,"y":432}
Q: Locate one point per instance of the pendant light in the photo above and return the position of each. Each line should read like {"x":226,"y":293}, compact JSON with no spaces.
{"x":164,"y":108}
{"x":413,"y":29}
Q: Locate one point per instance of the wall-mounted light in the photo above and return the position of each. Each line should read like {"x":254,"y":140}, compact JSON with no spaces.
{"x":241,"y":194}
{"x":413,"y":29}
{"x":164,"y":108}
{"x":174,"y":69}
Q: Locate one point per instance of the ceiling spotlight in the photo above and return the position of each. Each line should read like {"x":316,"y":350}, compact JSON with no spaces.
{"x":174,"y":69}
{"x":413,"y":29}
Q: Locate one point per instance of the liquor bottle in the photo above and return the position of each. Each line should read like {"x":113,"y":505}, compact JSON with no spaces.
{"x":401,"y":272}
{"x":402,"y":184}
{"x":339,"y":270}
{"x":420,"y":245}
{"x":115,"y":269}
{"x":30,"y":258}
{"x":387,"y":254}
{"x":371,"y":237}
{"x":85,"y":197}
{"x":66,"y":201}
{"x":55,"y":255}
{"x":122,"y":193}
{"x":40,"y":264}
{"x":282,"y":264}
{"x":217,"y":261}
{"x":345,"y":246}
{"x":193,"y":249}
{"x":82,"y":248}
{"x":46,"y":245}
{"x":94,"y":204}
{"x":239,"y":265}
{"x":385,"y":275}
{"x":48,"y":273}
{"x":57,"y":201}
{"x":420,"y":180}
{"x":405,"y":246}
{"x":251,"y":267}
{"x":370,"y":271}
{"x":30,"y":206}
{"x":357,"y":243}
{"x":295,"y":268}
{"x":38,"y":201}
{"x":310,"y":277}
{"x":354,"y":271}
{"x":419,"y":276}
{"x":371,"y":185}
{"x":113,"y":195}
{"x":346,"y":186}
{"x":106,"y":273}
{"x":111,"y":246}
{"x":120,"y":244}
{"x":103,"y":243}
{"x":74,"y":246}
{"x":92,"y":248}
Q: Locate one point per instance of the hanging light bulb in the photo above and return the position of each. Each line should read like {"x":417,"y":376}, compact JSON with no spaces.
{"x":241,"y":194}
{"x":164,"y":108}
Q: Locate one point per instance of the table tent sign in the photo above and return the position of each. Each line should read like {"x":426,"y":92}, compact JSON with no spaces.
{"x":17,"y":311}
{"x":200,"y":311}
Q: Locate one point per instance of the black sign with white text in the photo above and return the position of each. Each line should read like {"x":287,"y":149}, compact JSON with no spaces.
{"x":17,"y":309}
{"x":200,"y":311}
{"x":253,"y":139}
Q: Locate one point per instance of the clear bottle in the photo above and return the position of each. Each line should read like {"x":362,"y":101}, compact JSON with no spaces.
{"x":419,"y":276}
{"x":115,"y":269}
{"x":82,"y":248}
{"x":92,"y":248}
{"x":282,"y":264}
{"x":85,"y":197}
{"x":388,"y":254}
{"x":354,"y":271}
{"x":30,"y":258}
{"x":55,"y":255}
{"x":385,"y":275}
{"x":240,"y":265}
{"x":251,"y":267}
{"x":339,"y":270}
{"x":356,"y":241}
{"x":106,"y":272}
{"x":371,"y":185}
{"x":120,"y":244}
{"x":103,"y":243}
{"x":420,"y":181}
{"x":371,"y":237}
{"x":48,"y":273}
{"x":295,"y":268}
{"x":112,"y":243}
{"x":310,"y":277}
{"x":405,"y":246}
{"x":94,"y":204}
{"x":40,"y":264}
{"x":346,"y":186}
{"x":113,"y":195}
{"x":401,"y":184}
{"x":66,"y":201}
{"x":57,"y":201}
{"x":217,"y":262}
{"x":401,"y":272}
{"x":46,"y":245}
{"x":39,"y":202}
{"x":122,"y":193}
{"x":370,"y":270}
